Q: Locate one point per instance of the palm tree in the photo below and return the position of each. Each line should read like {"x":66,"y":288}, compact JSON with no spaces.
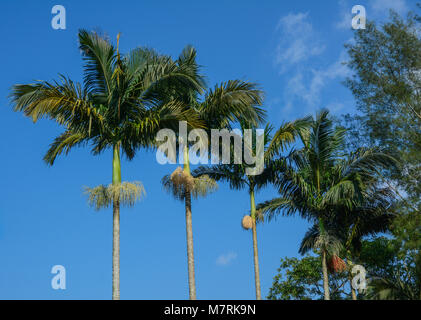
{"x":184,"y":187}
{"x":343,"y":237}
{"x":398,"y":287}
{"x":238,"y":178}
{"x":121,"y":105}
{"x":220,"y":108}
{"x":369,"y":215}
{"x":316,"y":182}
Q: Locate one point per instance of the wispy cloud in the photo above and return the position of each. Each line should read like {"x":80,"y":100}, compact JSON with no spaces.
{"x":308,"y":85}
{"x":299,"y":52}
{"x":226,"y":259}
{"x":345,"y":16}
{"x":383,"y":6}
{"x":337,"y":106}
{"x":298,"y":41}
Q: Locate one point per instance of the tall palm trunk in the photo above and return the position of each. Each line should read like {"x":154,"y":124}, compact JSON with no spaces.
{"x":116,"y":224}
{"x":418,"y":271}
{"x":350,"y":264}
{"x":353,"y":293}
{"x":325,"y":275}
{"x":324,"y":264}
{"x":189,"y":231}
{"x":255,"y":252}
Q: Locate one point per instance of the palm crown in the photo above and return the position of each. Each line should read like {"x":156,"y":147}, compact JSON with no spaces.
{"x":122,"y":99}
{"x":319,"y":184}
{"x":317,"y":179}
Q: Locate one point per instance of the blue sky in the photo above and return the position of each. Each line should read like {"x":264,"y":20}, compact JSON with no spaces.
{"x":293,"y":50}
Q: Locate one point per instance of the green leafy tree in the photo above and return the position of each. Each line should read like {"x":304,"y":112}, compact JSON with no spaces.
{"x":391,"y":275}
{"x":121,"y":105}
{"x":387,"y":274}
{"x":346,"y":229}
{"x":386,"y":62}
{"x":302,"y":279}
{"x":370,"y":214}
{"x":318,"y":181}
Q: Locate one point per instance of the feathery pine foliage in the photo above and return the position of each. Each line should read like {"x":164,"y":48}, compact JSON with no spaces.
{"x":386,"y":61}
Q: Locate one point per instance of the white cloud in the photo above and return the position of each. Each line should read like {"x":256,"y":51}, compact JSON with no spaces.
{"x":383,"y":6}
{"x":226,"y":259}
{"x":345,"y":14}
{"x":345,"y":22}
{"x":335,"y":107}
{"x":308,"y":87}
{"x":298,"y":41}
{"x":300,"y":61}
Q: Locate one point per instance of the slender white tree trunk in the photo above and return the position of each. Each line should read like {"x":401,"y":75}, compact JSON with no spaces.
{"x":353,"y":293}
{"x":116,"y":251}
{"x":255,"y":251}
{"x":325,"y":276}
{"x":256,"y":263}
{"x":190,"y":254}
{"x":189,"y":230}
{"x":116,"y":225}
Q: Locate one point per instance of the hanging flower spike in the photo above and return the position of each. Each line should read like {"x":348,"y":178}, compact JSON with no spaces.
{"x":179,"y":182}
{"x":336,"y":264}
{"x":126,"y":193}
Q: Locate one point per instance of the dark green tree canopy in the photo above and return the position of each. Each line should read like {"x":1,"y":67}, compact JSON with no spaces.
{"x":386,"y":83}
{"x":301,"y":279}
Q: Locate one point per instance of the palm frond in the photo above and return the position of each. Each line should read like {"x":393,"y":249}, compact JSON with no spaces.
{"x":390,"y":289}
{"x":232,"y":101}
{"x":99,"y":56}
{"x":271,"y":208}
{"x":64,"y":143}
{"x":65,"y":101}
{"x":233,"y":174}
{"x":309,"y":240}
{"x":188,"y":64}
{"x":285,"y":135}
